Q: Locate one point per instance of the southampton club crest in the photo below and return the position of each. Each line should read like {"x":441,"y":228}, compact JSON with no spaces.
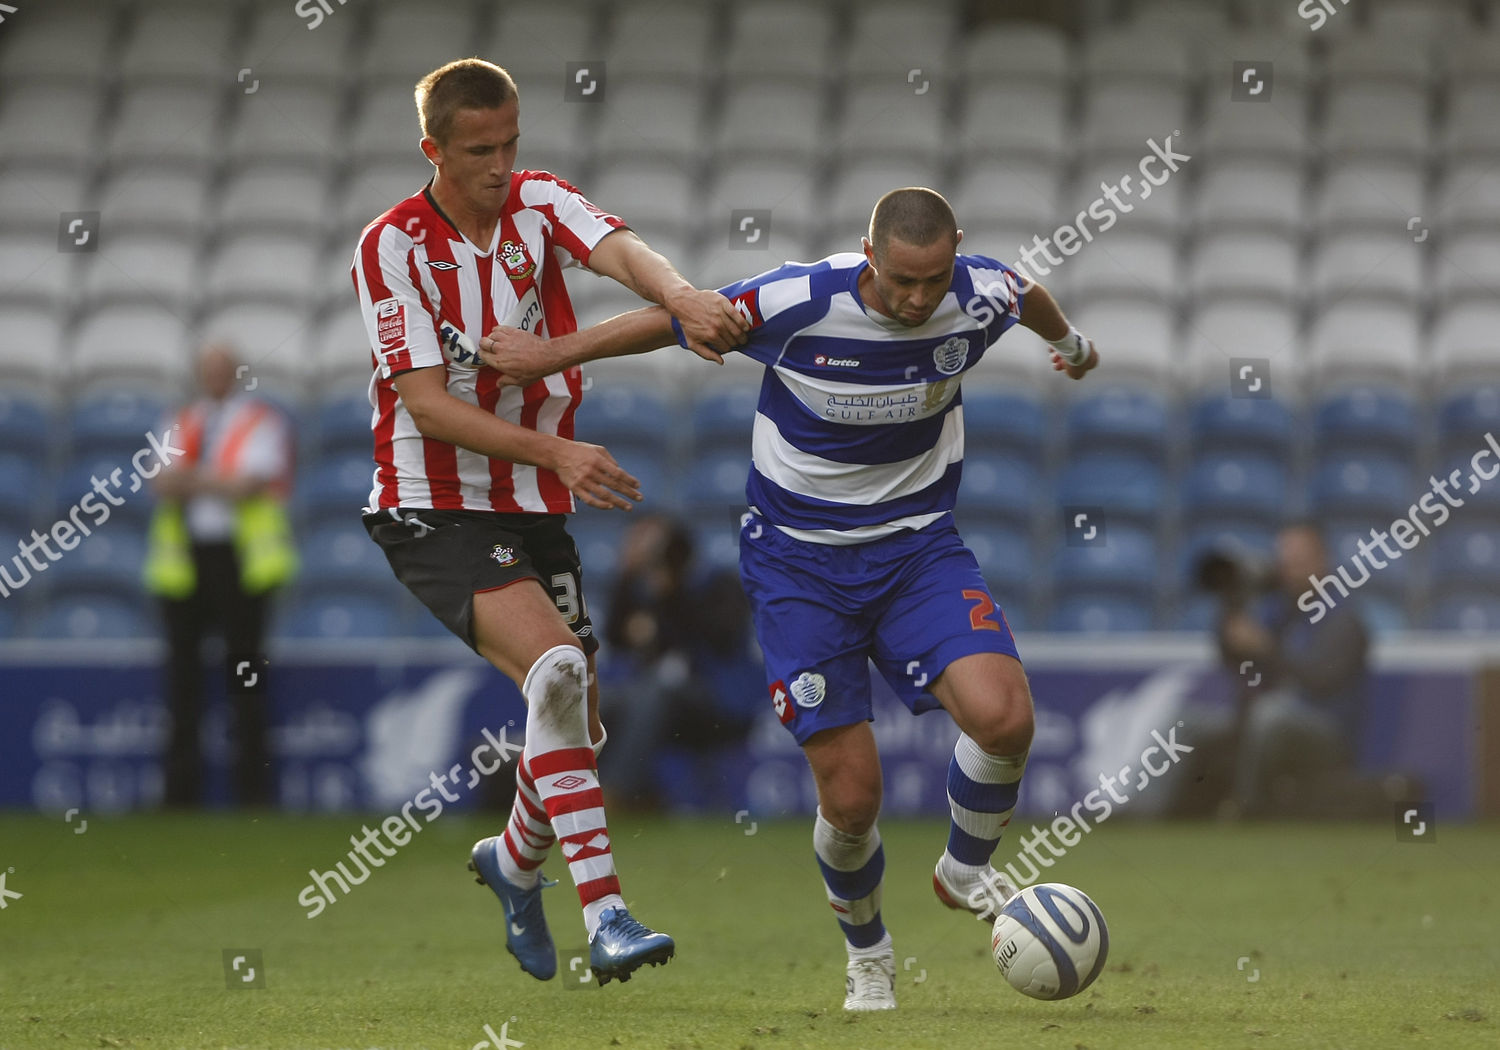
{"x":516,"y":260}
{"x":951,"y":354}
{"x":503,"y":554}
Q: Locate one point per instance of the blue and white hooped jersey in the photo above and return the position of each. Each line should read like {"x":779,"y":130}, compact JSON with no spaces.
{"x":859,"y":430}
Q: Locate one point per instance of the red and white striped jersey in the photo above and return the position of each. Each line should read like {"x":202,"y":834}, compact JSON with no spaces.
{"x":418,"y":279}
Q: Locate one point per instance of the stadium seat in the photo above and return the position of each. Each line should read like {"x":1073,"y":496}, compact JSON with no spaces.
{"x":270,"y":268}
{"x":1418,"y":24}
{"x":153,"y":201}
{"x":1000,"y":487}
{"x":51,"y":123}
{"x":344,"y":425}
{"x":108,"y":561}
{"x":1481,"y":496}
{"x":1378,"y":58}
{"x":1125,"y":265}
{"x":270,"y":339}
{"x":1468,"y":197}
{"x":597,"y":534}
{"x":1343,"y":537}
{"x":1467,"y":614}
{"x":857,"y":186}
{"x":1008,"y":121}
{"x":339,"y":554}
{"x":1244,"y":265}
{"x":663,"y":40}
{"x":336,"y":349}
{"x":1120,"y":118}
{"x":166,"y":125}
{"x":1356,"y":342}
{"x":84,"y":618}
{"x":384,"y":128}
{"x":288,"y":123}
{"x":1138,"y":337}
{"x":650,"y":120}
{"x":32,"y":353}
{"x":1472,"y":132}
{"x":1248,"y":543}
{"x":1235,"y":487}
{"x":1219,"y":333}
{"x":1465,"y":416}
{"x":1119,"y":419}
{"x":31,"y":195}
{"x":1036,"y":53}
{"x":115,"y":422}
{"x":1264,"y":197}
{"x":1001,"y":420}
{"x":1362,"y":266}
{"x":714,"y":483}
{"x":888,"y":120}
{"x":59,"y":28}
{"x":780,"y":39}
{"x":723,"y":418}
{"x":1274,"y":131}
{"x":1009,"y":190}
{"x":144,"y":269}
{"x":1085,"y":614}
{"x":135,"y":341}
{"x":334,"y":488}
{"x":1004,"y":554}
{"x":1367,"y":417}
{"x":76,"y":479}
{"x":26,"y":425}
{"x":1468,"y":267}
{"x":1376,"y":120}
{"x":1370,"y":197}
{"x":1360,"y":485}
{"x":178,"y":44}
{"x":893,"y":37}
{"x":333,"y":616}
{"x":24,"y":488}
{"x":1248,"y":424}
{"x":1465,"y":557}
{"x":628,"y":415}
{"x":655,"y":197}
{"x":1163,"y":213}
{"x":406,"y":43}
{"x":1126,"y":561}
{"x":38,"y":276}
{"x":1128,"y":489}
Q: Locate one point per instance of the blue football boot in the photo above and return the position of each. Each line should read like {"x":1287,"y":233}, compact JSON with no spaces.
{"x":621,"y":944}
{"x":526,"y":935}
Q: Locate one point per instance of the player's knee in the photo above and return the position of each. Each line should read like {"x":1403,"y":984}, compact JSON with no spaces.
{"x":852,"y":808}
{"x":1008,"y":726}
{"x":558,"y":680}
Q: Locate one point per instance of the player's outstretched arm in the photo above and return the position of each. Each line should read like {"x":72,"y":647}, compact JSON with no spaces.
{"x":521,"y":357}
{"x":589,"y":471}
{"x":709,"y":321}
{"x":1072,"y":352}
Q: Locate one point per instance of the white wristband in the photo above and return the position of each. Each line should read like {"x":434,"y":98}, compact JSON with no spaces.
{"x":1073,"y":347}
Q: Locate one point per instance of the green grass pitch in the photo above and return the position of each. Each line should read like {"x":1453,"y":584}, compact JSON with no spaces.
{"x":1263,"y":936}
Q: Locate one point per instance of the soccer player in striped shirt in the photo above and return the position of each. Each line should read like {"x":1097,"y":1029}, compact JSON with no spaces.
{"x":472,"y":480}
{"x":849,"y":552}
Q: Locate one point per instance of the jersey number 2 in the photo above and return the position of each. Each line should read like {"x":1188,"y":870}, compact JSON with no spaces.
{"x":979,"y":615}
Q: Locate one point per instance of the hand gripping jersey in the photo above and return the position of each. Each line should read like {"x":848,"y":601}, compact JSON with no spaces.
{"x":419,"y":281}
{"x":859,"y":430}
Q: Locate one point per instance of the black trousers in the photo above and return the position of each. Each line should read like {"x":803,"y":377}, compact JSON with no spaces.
{"x":220,"y":604}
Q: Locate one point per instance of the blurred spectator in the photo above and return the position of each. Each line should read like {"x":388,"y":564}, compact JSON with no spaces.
{"x":683,"y":669}
{"x":219,"y":546}
{"x":1299,"y":715}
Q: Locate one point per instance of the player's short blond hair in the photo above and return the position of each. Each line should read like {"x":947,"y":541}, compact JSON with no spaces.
{"x":468,"y":83}
{"x":913,"y":214}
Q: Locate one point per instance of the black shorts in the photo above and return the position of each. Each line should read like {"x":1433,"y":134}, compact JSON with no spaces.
{"x":445,"y":557}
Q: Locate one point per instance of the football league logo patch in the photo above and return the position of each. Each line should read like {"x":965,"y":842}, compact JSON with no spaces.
{"x":503,"y":554}
{"x":390,"y":325}
{"x":809,"y":689}
{"x":951,"y":354}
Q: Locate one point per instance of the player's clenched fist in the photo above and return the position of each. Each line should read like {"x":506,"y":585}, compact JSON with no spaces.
{"x":592,"y":475}
{"x":709,"y":321}
{"x":520,"y":357}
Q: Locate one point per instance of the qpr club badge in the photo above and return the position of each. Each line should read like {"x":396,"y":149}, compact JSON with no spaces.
{"x":951,"y":354}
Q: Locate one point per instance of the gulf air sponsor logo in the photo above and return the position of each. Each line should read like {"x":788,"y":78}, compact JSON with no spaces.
{"x":784,"y":710}
{"x":823,"y":360}
{"x":809,"y":688}
{"x":951,"y":354}
{"x":516,"y":260}
{"x":747,"y":304}
{"x":390,"y":324}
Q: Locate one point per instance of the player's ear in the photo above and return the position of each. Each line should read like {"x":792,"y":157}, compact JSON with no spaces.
{"x":430,"y":149}
{"x":958,"y":239}
{"x":869,"y":250}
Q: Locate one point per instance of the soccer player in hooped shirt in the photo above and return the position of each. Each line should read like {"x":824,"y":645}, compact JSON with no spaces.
{"x":472,"y":480}
{"x":849,"y":551}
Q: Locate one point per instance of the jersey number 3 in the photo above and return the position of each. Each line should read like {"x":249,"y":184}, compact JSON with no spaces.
{"x":979,"y":615}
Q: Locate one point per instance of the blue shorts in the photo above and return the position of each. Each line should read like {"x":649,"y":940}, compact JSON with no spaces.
{"x":913,"y":603}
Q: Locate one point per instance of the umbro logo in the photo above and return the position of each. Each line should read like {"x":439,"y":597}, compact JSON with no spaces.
{"x":442,"y":264}
{"x":568,"y":783}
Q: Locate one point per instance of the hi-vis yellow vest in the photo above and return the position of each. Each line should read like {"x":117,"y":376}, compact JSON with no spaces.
{"x":262,"y":530}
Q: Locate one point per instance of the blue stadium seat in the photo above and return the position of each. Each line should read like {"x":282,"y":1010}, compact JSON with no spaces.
{"x":1360,"y":485}
{"x":715,"y":481}
{"x":334,"y":489}
{"x":335,"y":555}
{"x":110,"y":559}
{"x":1094,"y":615}
{"x":25,"y":425}
{"x":723,"y":417}
{"x":1197,"y":613}
{"x":115,"y":422}
{"x":616,"y":413}
{"x":996,"y":421}
{"x":1221,"y":484}
{"x":1367,"y":418}
{"x":1121,"y":418}
{"x":1000,"y":486}
{"x":344,"y":425}
{"x":1004,"y":556}
{"x":1125,"y":562}
{"x":9,"y":620}
{"x":1471,"y":614}
{"x":340,"y":615}
{"x":716,"y":543}
{"x":1465,"y":416}
{"x":1481,"y":496}
{"x":1247,"y":423}
{"x":1343,"y":538}
{"x":85,"y":617}
{"x":77,"y":479}
{"x":597,"y":534}
{"x":24,"y":488}
{"x":1256,"y":543}
{"x":1465,"y":558}
{"x":1129,"y":489}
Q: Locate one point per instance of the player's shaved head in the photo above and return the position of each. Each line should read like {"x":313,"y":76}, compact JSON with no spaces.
{"x":468,"y":83}
{"x":913,"y":214}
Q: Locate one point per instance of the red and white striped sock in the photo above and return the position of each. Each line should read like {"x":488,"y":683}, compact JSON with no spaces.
{"x":565,"y":777}
{"x":528,"y":835}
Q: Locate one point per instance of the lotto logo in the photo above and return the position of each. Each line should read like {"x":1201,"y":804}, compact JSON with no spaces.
{"x":784,"y":710}
{"x":569,"y":782}
{"x":748,"y":306}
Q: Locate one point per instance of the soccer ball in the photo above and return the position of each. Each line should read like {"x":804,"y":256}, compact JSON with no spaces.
{"x":1050,"y":941}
